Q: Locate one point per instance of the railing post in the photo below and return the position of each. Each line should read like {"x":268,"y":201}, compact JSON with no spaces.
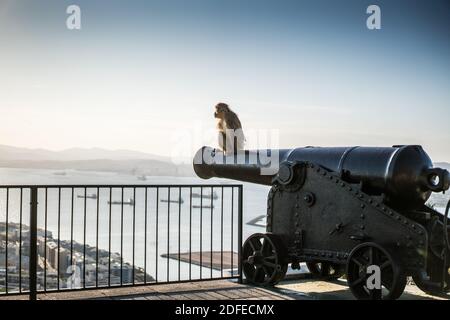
{"x":240,"y":201}
{"x":33,"y":243}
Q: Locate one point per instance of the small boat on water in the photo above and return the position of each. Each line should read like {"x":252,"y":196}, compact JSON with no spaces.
{"x":60,"y":173}
{"x":142,"y":178}
{"x":88,"y":196}
{"x":130,"y":202}
{"x":205,"y":195}
{"x":173,"y":200}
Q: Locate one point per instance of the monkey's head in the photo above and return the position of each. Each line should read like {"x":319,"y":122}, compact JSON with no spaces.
{"x":221,"y":110}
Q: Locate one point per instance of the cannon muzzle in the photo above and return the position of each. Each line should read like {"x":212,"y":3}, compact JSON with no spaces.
{"x":248,"y":166}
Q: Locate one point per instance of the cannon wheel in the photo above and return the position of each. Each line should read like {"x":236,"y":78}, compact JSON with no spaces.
{"x":393,"y":280}
{"x":264,"y":259}
{"x":326,"y":270}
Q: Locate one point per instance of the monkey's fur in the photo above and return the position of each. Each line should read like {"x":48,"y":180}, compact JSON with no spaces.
{"x":231,"y":135}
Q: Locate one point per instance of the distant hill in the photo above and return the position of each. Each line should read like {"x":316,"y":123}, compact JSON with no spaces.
{"x":15,"y":153}
{"x":93,"y":159}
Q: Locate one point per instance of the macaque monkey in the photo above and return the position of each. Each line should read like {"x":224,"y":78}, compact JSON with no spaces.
{"x":231,"y":136}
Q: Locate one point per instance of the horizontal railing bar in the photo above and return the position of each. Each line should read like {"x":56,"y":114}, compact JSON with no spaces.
{"x":118,"y":186}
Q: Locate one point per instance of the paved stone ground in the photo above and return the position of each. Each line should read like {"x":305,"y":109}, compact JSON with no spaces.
{"x":338,"y":290}
{"x":208,"y":290}
{"x":303,"y":289}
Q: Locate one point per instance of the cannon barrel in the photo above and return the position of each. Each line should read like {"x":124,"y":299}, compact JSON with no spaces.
{"x":404,"y":174}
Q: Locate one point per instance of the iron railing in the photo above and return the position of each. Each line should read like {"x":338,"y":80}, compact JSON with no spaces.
{"x":74,"y":237}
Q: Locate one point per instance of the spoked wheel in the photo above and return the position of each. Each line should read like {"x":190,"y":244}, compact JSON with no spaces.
{"x":326,"y":270}
{"x":393,"y":280}
{"x":264,"y":259}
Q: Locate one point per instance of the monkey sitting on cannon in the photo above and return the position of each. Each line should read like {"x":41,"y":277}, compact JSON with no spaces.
{"x":231,"y":136}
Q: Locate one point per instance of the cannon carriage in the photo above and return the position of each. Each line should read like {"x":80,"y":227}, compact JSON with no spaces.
{"x":354,"y":211}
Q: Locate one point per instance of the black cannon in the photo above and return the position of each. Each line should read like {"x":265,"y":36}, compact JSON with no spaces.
{"x":350,"y":210}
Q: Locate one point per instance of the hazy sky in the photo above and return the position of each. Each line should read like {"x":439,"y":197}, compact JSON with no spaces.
{"x":138,"y":71}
